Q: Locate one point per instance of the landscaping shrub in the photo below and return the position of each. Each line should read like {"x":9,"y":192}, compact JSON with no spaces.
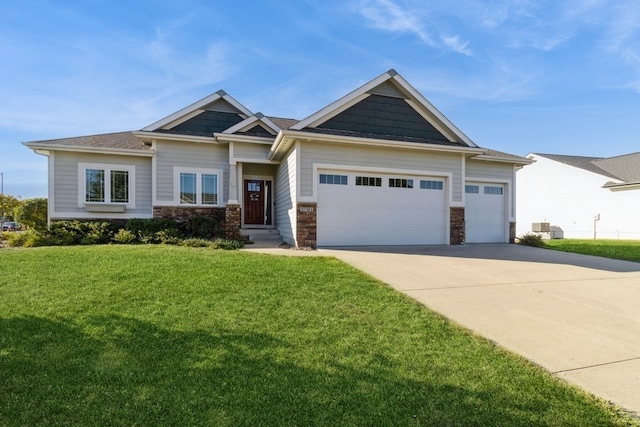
{"x":203,"y":227}
{"x":531,"y":240}
{"x":229,"y":245}
{"x":125,"y":237}
{"x":196,"y":243}
{"x":146,"y":229}
{"x":27,"y":239}
{"x":79,"y":232}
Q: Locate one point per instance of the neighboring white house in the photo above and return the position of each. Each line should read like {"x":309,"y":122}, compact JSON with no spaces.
{"x":580,"y":197}
{"x":379,"y":166}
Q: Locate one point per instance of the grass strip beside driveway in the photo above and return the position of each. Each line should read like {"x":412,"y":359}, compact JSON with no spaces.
{"x":163,"y":335}
{"x":627,"y":250}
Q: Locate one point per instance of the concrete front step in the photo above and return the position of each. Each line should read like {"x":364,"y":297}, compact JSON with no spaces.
{"x":261,"y":234}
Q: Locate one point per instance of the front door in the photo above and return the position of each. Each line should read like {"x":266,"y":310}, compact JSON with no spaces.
{"x":254,"y":212}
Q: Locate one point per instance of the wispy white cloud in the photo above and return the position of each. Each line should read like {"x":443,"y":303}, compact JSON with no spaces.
{"x":457,"y":45}
{"x":389,"y":16}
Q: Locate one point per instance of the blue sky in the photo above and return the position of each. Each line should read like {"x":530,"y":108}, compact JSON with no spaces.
{"x":515,"y":75}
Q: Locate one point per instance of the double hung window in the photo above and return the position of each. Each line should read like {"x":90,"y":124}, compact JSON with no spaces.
{"x":108,"y":184}
{"x":198,"y":186}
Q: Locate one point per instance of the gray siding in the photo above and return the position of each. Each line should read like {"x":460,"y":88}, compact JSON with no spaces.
{"x":190,"y":155}
{"x":66,"y":181}
{"x":488,"y":170}
{"x":244,"y":151}
{"x":286,"y":198}
{"x":376,"y":157}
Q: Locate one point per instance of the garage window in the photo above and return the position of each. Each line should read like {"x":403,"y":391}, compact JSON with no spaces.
{"x":333,"y":179}
{"x":368,"y":181}
{"x":431,"y":185}
{"x":492,"y":190}
{"x":472,"y":189}
{"x":400,"y":183}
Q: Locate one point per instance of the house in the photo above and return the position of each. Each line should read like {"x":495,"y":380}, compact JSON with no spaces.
{"x":580,"y":197}
{"x":379,"y":166}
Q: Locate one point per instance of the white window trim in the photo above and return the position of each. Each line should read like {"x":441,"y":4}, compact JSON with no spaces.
{"x":107,"y":167}
{"x":199,"y":172}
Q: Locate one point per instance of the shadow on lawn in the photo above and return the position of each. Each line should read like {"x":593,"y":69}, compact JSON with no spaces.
{"x":122,"y":371}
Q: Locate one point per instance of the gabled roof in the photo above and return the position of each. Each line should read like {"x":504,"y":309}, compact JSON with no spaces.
{"x":253,"y":124}
{"x":387,"y":107}
{"x":624,"y":168}
{"x":219,"y":103}
{"x":120,"y":142}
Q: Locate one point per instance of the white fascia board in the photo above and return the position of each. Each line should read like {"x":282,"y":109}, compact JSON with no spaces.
{"x":250,"y":122}
{"x":414,"y":94}
{"x":198,"y":105}
{"x":183,"y":112}
{"x":322,"y":137}
{"x":223,"y":137}
{"x":147,"y":136}
{"x":622,"y":186}
{"x":489,"y":158}
{"x":42,"y":148}
{"x":329,"y":110}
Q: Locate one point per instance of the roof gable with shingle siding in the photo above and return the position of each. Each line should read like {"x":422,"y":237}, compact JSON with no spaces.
{"x":206,"y":123}
{"x":384,"y":116}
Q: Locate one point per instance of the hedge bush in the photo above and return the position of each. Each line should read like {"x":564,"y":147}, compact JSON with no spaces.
{"x":197,"y":232}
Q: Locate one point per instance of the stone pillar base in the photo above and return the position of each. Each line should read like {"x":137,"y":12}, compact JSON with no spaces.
{"x":306,"y":225}
{"x":456,"y":226}
{"x":232,"y":222}
{"x":512,"y":232}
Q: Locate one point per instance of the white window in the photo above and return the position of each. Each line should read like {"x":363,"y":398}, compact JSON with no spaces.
{"x":400,"y":183}
{"x":472,"y":189}
{"x":333,"y":179}
{"x":431,"y":185}
{"x":198,"y":186}
{"x":107,"y":184}
{"x":492,"y":190}
{"x":368,"y":181}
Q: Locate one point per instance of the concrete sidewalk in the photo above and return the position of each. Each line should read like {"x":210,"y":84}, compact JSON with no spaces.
{"x":577,"y":316}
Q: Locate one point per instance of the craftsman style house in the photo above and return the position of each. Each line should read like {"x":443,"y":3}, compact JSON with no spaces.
{"x":380,"y":166}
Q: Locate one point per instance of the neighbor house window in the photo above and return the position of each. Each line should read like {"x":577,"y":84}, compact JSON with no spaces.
{"x":333,"y":179}
{"x":369,"y":181}
{"x":431,"y":185}
{"x":492,"y":190}
{"x":197,"y":186}
{"x":102,"y":183}
{"x":472,"y":189}
{"x":400,"y":183}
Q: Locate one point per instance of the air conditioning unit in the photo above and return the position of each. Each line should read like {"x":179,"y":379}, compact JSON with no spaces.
{"x":541,"y":227}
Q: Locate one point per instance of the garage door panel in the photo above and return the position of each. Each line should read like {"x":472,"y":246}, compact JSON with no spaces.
{"x":357,"y":215}
{"x":485,"y":215}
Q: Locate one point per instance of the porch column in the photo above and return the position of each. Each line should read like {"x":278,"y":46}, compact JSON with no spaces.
{"x":233,"y":185}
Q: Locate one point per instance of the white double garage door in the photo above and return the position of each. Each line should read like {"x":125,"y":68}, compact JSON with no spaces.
{"x":355,"y":208}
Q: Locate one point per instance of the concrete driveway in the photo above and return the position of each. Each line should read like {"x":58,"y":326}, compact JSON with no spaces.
{"x":575,"y":315}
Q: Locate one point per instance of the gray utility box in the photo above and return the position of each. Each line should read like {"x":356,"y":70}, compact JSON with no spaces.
{"x":541,"y":227}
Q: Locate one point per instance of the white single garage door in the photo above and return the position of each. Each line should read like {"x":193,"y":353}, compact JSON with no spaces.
{"x":380,"y":209}
{"x":485,"y":213}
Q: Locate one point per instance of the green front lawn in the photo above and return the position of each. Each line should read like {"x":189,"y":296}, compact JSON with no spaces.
{"x":163,"y":335}
{"x":628,"y":250}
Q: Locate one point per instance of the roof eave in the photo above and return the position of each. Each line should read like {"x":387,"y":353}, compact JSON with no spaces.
{"x":622,"y":186}
{"x":286,"y":137}
{"x":490,"y":158}
{"x":148,"y":137}
{"x":42,"y":148}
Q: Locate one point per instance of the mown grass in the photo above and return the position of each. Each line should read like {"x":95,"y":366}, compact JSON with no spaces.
{"x":162,"y":335}
{"x":628,"y":250}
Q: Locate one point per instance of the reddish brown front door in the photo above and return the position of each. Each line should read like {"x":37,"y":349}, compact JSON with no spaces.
{"x":254,"y":212}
